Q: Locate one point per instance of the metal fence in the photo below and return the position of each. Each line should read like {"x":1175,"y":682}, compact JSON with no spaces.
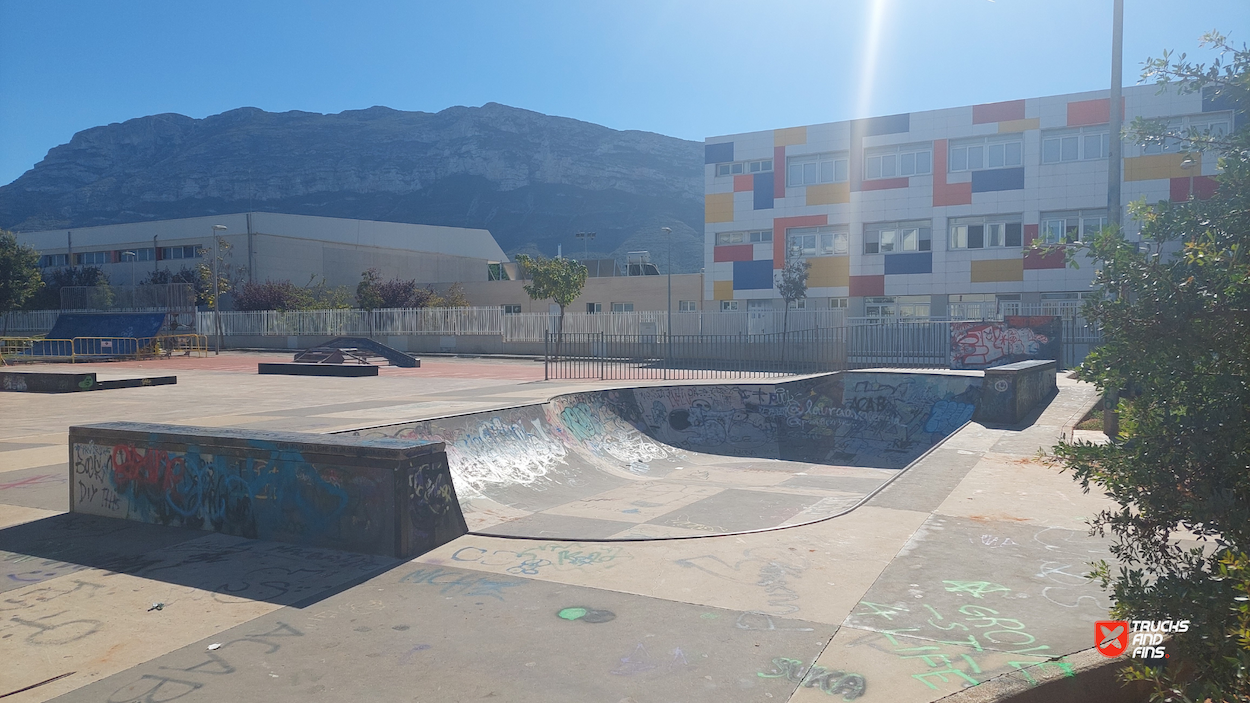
{"x":27,"y":322}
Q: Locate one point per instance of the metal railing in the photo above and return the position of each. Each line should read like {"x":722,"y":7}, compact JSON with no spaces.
{"x":81,"y":349}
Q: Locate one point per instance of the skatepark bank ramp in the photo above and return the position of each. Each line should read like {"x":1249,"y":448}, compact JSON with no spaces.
{"x":692,"y":460}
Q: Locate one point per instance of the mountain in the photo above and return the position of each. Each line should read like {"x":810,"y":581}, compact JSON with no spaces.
{"x":533,"y":180}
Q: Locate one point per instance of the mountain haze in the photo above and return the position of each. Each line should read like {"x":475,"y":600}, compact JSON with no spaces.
{"x":533,"y":180}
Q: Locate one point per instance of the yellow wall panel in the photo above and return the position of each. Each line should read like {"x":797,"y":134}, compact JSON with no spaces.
{"x":723,"y":290}
{"x":1156,"y":166}
{"x":829,"y":271}
{"x":719,"y":207}
{"x":829,"y":194}
{"x":1018,"y":125}
{"x":996,"y":270}
{"x":790,"y":136}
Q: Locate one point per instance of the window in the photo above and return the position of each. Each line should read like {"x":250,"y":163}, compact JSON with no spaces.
{"x":622,"y":307}
{"x":687,"y":306}
{"x":879,"y":307}
{"x":986,"y":152}
{"x":757,"y":236}
{"x":802,"y":242}
{"x":1215,"y":125}
{"x":891,"y":237}
{"x":837,"y":303}
{"x":740,"y":167}
{"x":124,"y":255}
{"x":817,"y":168}
{"x":49,"y":260}
{"x":593,"y":308}
{"x":91,"y":258}
{"x":511,"y":309}
{"x":986,"y":232}
{"x":190,"y":251}
{"x":759,"y":305}
{"x":903,"y":306}
{"x":1073,"y":226}
{"x":1075,"y":144}
{"x":800,"y":304}
{"x":728,"y":306}
{"x":894,"y":161}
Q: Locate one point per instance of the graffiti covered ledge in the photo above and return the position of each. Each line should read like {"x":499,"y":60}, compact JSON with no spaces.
{"x":390,"y":497}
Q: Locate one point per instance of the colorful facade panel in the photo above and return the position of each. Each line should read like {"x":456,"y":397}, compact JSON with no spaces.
{"x":718,"y":153}
{"x":998,"y":179}
{"x":744,"y":183}
{"x":1036,"y":260}
{"x":944,"y":193}
{"x":763,"y":195}
{"x":734,"y":252}
{"x":1159,"y":166}
{"x":718,"y":207}
{"x":998,"y":112}
{"x":867,"y":285}
{"x":1090,"y":112}
{"x":722,"y":290}
{"x":916,"y":262}
{"x":790,"y":136}
{"x":829,"y":272}
{"x":828,"y":194}
{"x":753,"y":275}
{"x":1011,"y":126}
{"x":997,"y":270}
{"x":885,"y":183}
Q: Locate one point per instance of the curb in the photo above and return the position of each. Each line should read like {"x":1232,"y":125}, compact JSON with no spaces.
{"x":1090,"y":677}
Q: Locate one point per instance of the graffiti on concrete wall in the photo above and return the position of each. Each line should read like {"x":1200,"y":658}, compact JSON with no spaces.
{"x":979,"y":345}
{"x":267,"y":492}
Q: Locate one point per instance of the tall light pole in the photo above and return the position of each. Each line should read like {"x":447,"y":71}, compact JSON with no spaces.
{"x":1111,"y":420}
{"x":216,"y":291}
{"x":668,"y":313}
{"x":585,"y":237}
{"x":132,"y":256}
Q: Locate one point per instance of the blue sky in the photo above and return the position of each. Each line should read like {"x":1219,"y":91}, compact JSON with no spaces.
{"x":686,"y":68}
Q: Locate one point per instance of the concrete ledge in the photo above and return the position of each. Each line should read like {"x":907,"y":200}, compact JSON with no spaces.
{"x":55,"y":382}
{"x":1012,"y":391}
{"x":378,"y":496}
{"x":292,"y":369}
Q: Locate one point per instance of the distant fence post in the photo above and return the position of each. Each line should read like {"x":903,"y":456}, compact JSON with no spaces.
{"x":547,"y":355}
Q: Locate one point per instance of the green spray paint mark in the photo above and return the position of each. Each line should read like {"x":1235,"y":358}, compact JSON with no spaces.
{"x":572,"y":613}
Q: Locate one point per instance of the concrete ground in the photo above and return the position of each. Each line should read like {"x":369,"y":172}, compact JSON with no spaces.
{"x":968,"y":566}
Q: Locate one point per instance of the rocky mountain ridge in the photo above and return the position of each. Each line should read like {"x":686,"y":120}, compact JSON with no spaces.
{"x":532,"y":179}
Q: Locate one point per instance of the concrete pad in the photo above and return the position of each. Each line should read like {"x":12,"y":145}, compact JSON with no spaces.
{"x":638,"y":503}
{"x":428,"y":633}
{"x":815,"y":572}
{"x":1022,"y":489}
{"x":11,"y":515}
{"x":44,"y":487}
{"x":96,"y":622}
{"x":926,"y":483}
{"x":34,"y":457}
{"x":1014,"y":587}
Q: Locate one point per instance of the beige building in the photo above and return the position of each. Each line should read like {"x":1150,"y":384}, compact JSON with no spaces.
{"x":272,"y":246}
{"x":600,"y":294}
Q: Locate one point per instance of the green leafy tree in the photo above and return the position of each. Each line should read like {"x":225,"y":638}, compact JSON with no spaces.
{"x":1175,"y":315}
{"x":49,"y":296}
{"x":557,"y":280}
{"x":368,"y":297}
{"x":20,"y":278}
{"x":791,"y":282}
{"x":453,"y":297}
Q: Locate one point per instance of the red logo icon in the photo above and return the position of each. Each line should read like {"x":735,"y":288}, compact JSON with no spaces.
{"x":1111,"y":636}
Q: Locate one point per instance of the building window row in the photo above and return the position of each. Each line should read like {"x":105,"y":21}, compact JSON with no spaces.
{"x":985,"y":232}
{"x":802,"y":242}
{"x":743,"y":167}
{"x":1071,"y":226}
{"x":892,"y":162}
{"x":814,"y":169}
{"x":752,"y":237}
{"x":190,"y":251}
{"x":889,"y":237}
{"x":985,"y":153}
{"x":1075,"y":145}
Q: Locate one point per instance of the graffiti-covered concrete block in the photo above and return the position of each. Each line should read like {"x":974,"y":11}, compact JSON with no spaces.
{"x":392,"y":497}
{"x":1012,"y":391}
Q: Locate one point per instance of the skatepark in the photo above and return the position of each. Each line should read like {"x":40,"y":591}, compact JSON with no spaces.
{"x":854,"y":536}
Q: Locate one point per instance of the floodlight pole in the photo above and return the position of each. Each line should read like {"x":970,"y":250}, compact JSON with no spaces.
{"x":216,"y":292}
{"x":668,"y":314}
{"x":1111,"y":399}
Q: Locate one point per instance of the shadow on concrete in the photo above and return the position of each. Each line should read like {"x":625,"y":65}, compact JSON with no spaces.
{"x":230,"y":568}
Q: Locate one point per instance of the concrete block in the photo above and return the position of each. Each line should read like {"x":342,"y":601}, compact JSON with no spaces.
{"x":377,"y":496}
{"x":341,"y":370}
{"x":1012,"y":391}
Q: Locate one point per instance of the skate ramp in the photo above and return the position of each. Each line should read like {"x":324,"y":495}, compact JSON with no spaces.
{"x":692,"y":460}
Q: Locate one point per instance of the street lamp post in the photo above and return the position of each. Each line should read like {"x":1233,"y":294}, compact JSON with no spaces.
{"x":216,"y":291}
{"x":585,"y":237}
{"x":132,"y":256}
{"x":668,"y":314}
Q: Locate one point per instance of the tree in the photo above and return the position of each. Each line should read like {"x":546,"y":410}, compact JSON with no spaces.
{"x":20,"y":277}
{"x":49,"y":296}
{"x":228,"y":275}
{"x":1175,"y":315}
{"x":453,"y":297}
{"x":270,"y":295}
{"x":791,"y":282}
{"x":558,"y":280}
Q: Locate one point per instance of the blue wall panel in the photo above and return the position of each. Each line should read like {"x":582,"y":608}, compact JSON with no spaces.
{"x":753,"y":275}
{"x":763,"y":191}
{"x":889,"y":124}
{"x":919,"y":262}
{"x":718,"y":153}
{"x":997,"y":179}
